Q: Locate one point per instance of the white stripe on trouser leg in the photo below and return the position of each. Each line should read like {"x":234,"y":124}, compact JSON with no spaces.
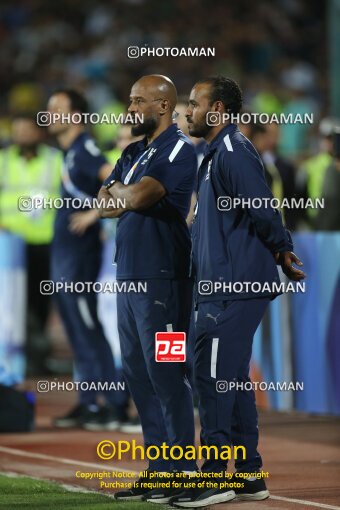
{"x":85,"y":313}
{"x":169,"y":328}
{"x":213,"y":362}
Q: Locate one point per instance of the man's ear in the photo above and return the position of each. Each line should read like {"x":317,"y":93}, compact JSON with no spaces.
{"x":218,"y":106}
{"x":164,"y":106}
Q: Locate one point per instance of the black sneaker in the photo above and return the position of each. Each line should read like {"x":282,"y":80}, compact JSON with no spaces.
{"x":163,"y":495}
{"x":104,"y":418}
{"x":253,"y":490}
{"x":137,"y":491}
{"x":201,"y":497}
{"x":131,"y":426}
{"x":73,"y":418}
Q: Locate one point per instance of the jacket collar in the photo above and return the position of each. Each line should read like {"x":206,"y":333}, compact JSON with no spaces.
{"x":157,"y":142}
{"x":227,"y":130}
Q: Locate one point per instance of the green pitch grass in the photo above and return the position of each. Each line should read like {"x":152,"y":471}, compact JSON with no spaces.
{"x":27,"y":493}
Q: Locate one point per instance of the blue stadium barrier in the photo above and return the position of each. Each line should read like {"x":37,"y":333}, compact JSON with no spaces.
{"x":302,"y":342}
{"x":12,"y":308}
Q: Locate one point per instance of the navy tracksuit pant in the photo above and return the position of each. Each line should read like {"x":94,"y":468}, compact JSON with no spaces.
{"x":93,"y":358}
{"x":161,"y":390}
{"x":224,"y":336}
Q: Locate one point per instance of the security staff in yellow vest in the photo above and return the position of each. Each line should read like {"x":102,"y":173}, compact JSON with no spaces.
{"x":123,"y":139}
{"x":313,"y":170}
{"x":28,"y":169}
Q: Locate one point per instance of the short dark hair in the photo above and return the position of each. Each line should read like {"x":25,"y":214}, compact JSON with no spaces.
{"x":225,"y":90}
{"x":78,"y":101}
{"x":256,"y":129}
{"x":25,"y":115}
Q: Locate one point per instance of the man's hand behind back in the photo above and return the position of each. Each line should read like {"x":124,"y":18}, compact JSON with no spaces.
{"x":286,"y":260}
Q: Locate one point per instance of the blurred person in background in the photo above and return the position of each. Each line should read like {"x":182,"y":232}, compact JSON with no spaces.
{"x":266,"y":98}
{"x":245,"y":127}
{"x":182,"y":124}
{"x":104,"y":132}
{"x":31,"y":170}
{"x":122,"y":140}
{"x":259,"y":139}
{"x":312,"y":173}
{"x":76,"y":257}
{"x":298,"y":79}
{"x":266,"y":142}
{"x":329,"y":218}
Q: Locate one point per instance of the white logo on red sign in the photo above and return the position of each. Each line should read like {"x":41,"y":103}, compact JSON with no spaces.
{"x":170,"y":346}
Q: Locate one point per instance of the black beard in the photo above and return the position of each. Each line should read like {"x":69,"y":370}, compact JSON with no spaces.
{"x":148,"y":127}
{"x":200,"y":130}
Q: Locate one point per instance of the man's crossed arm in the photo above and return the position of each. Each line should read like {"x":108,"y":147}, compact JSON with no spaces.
{"x":138,"y":196}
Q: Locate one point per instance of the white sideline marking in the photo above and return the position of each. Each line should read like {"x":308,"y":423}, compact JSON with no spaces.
{"x":304,"y":502}
{"x":76,"y":488}
{"x":62,"y":460}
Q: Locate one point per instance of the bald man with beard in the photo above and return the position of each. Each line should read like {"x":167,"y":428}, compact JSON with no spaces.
{"x":155,"y":178}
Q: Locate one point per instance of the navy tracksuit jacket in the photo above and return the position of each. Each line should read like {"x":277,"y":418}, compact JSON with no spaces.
{"x":153,"y":245}
{"x":235,"y":245}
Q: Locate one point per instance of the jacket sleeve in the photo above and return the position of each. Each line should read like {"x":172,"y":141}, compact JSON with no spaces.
{"x":245,"y":174}
{"x":171,"y":168}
